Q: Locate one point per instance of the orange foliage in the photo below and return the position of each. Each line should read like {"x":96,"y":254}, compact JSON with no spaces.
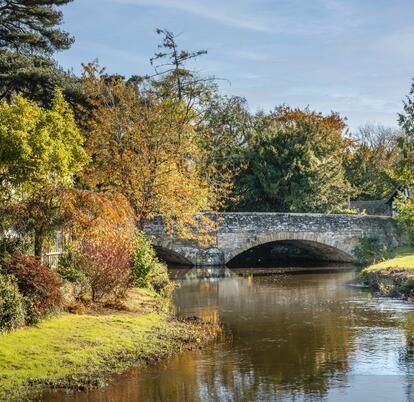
{"x":92,"y":214}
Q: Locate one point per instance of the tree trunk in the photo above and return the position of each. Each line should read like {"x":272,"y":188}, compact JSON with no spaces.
{"x":38,"y":245}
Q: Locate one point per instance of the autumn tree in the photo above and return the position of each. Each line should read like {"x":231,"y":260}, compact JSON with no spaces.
{"x":29,"y":35}
{"x":294,"y":163}
{"x":144,"y":146}
{"x":220,"y":122}
{"x":40,"y":150}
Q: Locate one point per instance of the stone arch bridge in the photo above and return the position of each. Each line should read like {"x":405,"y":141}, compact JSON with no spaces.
{"x":318,"y":236}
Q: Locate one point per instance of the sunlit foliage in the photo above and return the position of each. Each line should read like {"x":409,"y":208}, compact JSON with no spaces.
{"x":143,"y":145}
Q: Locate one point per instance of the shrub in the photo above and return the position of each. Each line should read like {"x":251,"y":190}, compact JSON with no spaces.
{"x":405,"y":215}
{"x":11,"y":304}
{"x":369,"y":250}
{"x":10,"y":245}
{"x":39,"y":286}
{"x":160,"y":281}
{"x":106,"y":263}
{"x":143,"y":261}
{"x":68,"y":266}
{"x":147,"y":271}
{"x":348,"y":211}
{"x":406,"y":287}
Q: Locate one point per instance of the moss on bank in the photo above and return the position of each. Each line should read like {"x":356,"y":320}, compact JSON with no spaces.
{"x":393,"y":276}
{"x":79,"y":351}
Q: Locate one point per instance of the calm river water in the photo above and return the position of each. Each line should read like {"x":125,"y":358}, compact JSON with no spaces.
{"x":302,"y":337}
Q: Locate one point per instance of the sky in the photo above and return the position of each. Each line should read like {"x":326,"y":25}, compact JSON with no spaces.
{"x":355,"y":57}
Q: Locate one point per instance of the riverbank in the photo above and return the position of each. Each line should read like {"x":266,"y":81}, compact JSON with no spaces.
{"x":393,"y":276}
{"x":81,"y":351}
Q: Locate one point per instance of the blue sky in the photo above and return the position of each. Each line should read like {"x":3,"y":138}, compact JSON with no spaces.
{"x":355,"y":57}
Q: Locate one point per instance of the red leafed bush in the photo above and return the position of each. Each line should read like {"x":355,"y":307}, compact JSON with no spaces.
{"x":106,"y":263}
{"x":39,"y":286}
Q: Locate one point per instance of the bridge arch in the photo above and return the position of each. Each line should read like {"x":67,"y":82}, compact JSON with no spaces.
{"x":317,"y":246}
{"x":171,"y":256}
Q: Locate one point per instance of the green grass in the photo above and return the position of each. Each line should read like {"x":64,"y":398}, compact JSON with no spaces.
{"x":393,"y":276}
{"x":76,"y":351}
{"x":401,"y":258}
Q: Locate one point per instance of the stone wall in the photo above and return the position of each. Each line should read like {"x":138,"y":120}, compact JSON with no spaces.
{"x":372,"y":207}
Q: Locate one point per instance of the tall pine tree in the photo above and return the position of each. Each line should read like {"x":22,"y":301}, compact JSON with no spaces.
{"x":29,"y":35}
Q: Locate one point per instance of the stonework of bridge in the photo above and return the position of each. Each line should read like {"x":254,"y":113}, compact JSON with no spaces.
{"x":319,"y":236}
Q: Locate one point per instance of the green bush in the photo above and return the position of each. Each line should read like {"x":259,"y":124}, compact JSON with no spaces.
{"x":11,"y":304}
{"x":10,"y":245}
{"x":68,"y":266}
{"x":147,"y":271}
{"x":406,"y":287}
{"x":144,"y":261}
{"x":369,"y":251}
{"x":405,"y":215}
{"x":159,"y":280}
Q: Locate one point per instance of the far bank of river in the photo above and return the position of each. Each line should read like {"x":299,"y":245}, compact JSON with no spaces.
{"x":394,"y":276}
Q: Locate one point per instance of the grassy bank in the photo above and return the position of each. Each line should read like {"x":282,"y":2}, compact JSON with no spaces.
{"x":78,"y":351}
{"x":395,"y":275}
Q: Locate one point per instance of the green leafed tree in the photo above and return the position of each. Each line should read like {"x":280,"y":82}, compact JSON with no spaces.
{"x":40,"y":151}
{"x":405,"y":169}
{"x":29,"y":35}
{"x":294,"y":163}
{"x":223,"y":133}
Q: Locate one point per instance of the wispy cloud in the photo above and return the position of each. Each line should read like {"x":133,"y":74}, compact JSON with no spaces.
{"x":210,"y":11}
{"x":254,"y":15}
{"x":352,"y":56}
{"x":398,"y":43}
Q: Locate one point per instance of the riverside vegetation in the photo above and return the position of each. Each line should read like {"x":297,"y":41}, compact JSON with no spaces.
{"x":94,"y":326}
{"x":79,"y":351}
{"x":391,"y":272}
{"x":394,"y":275}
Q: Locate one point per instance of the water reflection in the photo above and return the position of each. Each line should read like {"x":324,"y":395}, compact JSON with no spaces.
{"x":301,"y":337}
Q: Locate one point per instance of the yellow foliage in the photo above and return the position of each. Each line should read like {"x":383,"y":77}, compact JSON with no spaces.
{"x":144,"y":146}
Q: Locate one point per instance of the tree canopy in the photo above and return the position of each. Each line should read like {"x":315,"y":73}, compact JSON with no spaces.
{"x":143,"y":146}
{"x":406,"y":140}
{"x":38,"y":146}
{"x":294,"y":163}
{"x":371,"y":166}
{"x":29,"y":35}
{"x":31,"y":26}
{"x":40,"y":152}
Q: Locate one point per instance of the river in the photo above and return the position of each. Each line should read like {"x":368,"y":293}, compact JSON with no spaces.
{"x":301,"y":337}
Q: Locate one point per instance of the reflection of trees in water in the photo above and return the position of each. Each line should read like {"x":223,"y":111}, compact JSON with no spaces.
{"x":289,"y":334}
{"x":406,"y":355}
{"x":283,"y":338}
